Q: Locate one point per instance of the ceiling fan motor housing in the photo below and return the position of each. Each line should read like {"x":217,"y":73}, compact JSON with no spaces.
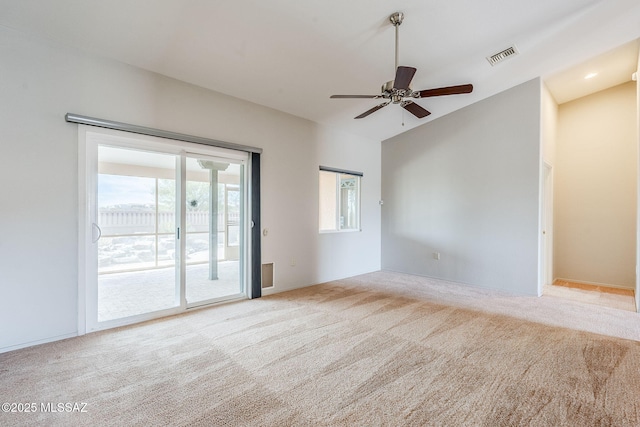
{"x":396,"y":95}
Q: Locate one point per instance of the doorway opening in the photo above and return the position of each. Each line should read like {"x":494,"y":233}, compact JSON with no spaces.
{"x":595,"y":206}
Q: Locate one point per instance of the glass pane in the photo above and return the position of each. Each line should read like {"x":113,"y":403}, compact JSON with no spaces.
{"x":166,"y":250}
{"x":126,"y":204}
{"x":233,"y":216}
{"x":136,"y":214}
{"x":197,"y":248}
{"x":349,"y":201}
{"x":233,"y":233}
{"x":213,"y":270}
{"x":198,"y":206}
{"x":166,"y":205}
{"x":327,"y":200}
{"x":126,"y":253}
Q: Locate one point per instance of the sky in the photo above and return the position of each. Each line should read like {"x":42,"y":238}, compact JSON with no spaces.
{"x":124,"y":190}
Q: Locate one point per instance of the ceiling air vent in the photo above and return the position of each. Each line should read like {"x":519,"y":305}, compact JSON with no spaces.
{"x":501,"y":56}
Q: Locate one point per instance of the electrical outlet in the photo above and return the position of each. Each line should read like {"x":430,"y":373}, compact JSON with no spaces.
{"x":293,"y":262}
{"x":436,"y":255}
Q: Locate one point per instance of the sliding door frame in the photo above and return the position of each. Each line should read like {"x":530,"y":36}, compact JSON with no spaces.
{"x":87,"y":165}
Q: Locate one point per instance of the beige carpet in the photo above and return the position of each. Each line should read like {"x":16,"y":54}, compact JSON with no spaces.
{"x":378,"y":349}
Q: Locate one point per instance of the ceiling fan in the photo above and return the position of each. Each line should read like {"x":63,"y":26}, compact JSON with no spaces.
{"x":397,"y":91}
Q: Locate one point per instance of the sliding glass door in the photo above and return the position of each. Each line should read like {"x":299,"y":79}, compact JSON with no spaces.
{"x":166,"y":228}
{"x":136,"y":218}
{"x":212,"y":228}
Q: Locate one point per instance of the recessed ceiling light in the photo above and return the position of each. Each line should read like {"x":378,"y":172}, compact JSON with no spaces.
{"x":590,"y":76}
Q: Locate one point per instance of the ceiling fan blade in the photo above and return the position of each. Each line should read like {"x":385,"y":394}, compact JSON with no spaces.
{"x":404,"y":75}
{"x":415,"y":109}
{"x":451,"y":90}
{"x":354,"y":96}
{"x":372,"y":110}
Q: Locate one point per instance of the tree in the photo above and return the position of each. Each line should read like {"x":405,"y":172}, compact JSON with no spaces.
{"x":197,"y":195}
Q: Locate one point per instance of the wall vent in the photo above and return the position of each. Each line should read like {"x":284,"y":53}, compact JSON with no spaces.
{"x":267,"y":275}
{"x":501,"y":56}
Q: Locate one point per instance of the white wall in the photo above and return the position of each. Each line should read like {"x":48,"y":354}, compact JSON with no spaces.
{"x":38,"y":176}
{"x":595,"y":188}
{"x":467,"y":186}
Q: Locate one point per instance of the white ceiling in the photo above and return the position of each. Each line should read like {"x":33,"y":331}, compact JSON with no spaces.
{"x":292,"y":55}
{"x":595,"y":74}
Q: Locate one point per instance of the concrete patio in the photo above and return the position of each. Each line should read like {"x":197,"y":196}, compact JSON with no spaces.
{"x":132,"y":293}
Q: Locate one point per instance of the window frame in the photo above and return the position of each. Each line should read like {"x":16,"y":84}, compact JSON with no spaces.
{"x":338,"y":210}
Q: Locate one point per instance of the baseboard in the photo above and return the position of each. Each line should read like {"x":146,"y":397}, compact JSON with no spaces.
{"x":37,"y":342}
{"x":471,"y":285}
{"x":276,"y":289}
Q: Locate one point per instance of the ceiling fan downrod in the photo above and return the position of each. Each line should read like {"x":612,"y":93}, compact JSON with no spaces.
{"x":396,"y":20}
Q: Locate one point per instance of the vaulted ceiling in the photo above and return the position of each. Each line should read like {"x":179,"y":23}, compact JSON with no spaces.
{"x":292,"y":55}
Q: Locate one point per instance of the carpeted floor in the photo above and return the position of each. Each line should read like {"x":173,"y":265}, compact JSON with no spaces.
{"x":378,"y":349}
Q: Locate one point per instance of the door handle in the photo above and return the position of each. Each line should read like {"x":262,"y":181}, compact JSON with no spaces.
{"x":96,"y":227}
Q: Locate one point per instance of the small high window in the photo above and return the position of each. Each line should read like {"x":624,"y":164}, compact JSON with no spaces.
{"x":339,"y":200}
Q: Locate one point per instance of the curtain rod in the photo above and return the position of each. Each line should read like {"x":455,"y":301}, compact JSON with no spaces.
{"x":92,"y":121}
